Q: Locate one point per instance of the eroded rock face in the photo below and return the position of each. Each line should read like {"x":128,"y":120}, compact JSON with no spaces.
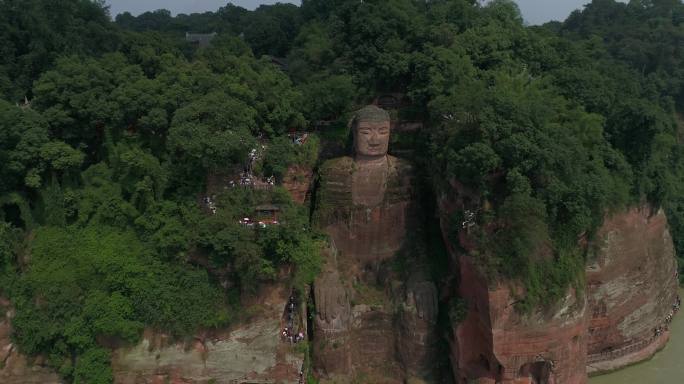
{"x":16,"y":368}
{"x":297,"y":181}
{"x":630,"y":292}
{"x":246,"y":352}
{"x":373,"y":323}
{"x":632,"y":287}
{"x":495,"y":343}
{"x":251,"y":350}
{"x":365,"y":234}
{"x":332,"y":323}
{"x":416,"y":332}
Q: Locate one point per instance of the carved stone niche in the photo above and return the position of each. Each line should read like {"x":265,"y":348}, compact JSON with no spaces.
{"x":371,"y":321}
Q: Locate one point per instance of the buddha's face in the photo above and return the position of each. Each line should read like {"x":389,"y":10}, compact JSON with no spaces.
{"x":371,"y":138}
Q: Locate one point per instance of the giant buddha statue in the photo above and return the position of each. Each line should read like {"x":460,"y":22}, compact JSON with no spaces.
{"x":363,"y":201}
{"x":371,"y":321}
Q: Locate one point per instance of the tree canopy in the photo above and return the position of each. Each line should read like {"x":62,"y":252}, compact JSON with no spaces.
{"x":111,"y":129}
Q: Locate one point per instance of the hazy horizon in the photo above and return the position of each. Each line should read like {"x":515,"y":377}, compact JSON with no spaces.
{"x":534,"y":11}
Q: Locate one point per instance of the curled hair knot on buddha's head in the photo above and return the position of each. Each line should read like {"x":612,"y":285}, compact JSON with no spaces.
{"x":370,"y":113}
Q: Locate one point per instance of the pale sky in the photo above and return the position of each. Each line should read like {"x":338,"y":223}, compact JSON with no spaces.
{"x":534,"y":11}
{"x":137,"y":7}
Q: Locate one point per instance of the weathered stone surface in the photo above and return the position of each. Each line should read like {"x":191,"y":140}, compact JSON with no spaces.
{"x":365,"y":234}
{"x":297,"y":181}
{"x":634,"y":355}
{"x":250,"y":350}
{"x":373,"y":324}
{"x":417,"y":335}
{"x":631,"y":287}
{"x":332,"y":323}
{"x":496,"y":343}
{"x":373,"y":340}
{"x":16,"y":368}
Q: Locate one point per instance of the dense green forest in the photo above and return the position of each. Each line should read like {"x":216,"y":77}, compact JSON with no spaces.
{"x":109,"y":128}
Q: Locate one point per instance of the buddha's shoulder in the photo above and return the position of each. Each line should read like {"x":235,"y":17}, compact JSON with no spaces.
{"x":337,"y":166}
{"x":344,"y":166}
{"x":334,"y":178}
{"x":400,"y":166}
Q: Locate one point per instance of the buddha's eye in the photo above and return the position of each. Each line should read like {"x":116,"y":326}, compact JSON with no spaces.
{"x":365,"y":131}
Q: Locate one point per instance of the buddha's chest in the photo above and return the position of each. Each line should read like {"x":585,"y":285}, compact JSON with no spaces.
{"x":369,"y":185}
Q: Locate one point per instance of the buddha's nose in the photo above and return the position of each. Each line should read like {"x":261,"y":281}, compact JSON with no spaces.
{"x":374,"y":139}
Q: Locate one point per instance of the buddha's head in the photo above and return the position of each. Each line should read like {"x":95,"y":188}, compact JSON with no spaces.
{"x":371,"y":128}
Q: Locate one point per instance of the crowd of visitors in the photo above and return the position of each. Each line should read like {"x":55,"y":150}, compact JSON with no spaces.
{"x":210,"y":204}
{"x":288,"y":332}
{"x":469,"y":219}
{"x":299,"y":138}
{"x":246,"y":179}
{"x":668,"y":319}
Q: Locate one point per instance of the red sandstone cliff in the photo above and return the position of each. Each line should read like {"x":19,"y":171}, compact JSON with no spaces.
{"x":373,"y":324}
{"x":631,"y":286}
{"x":631,"y":289}
{"x":297,"y":181}
{"x":496,"y":344}
{"x":250,"y":351}
{"x":16,"y":368}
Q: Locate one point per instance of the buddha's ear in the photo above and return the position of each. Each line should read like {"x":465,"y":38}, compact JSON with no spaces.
{"x":351,"y":138}
{"x":350,"y":124}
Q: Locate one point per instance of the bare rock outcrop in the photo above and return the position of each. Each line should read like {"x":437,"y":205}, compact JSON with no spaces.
{"x":495,"y":343}
{"x":251,"y":350}
{"x":370,"y":323}
{"x":332,"y":323}
{"x":297,"y":180}
{"x":374,"y":323}
{"x":16,"y":368}
{"x":248,"y":351}
{"x":619,"y":318}
{"x":631,"y":286}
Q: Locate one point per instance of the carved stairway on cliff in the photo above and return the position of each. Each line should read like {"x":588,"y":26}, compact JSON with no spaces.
{"x":626,"y":350}
{"x":632,"y":249}
{"x":635,"y":346}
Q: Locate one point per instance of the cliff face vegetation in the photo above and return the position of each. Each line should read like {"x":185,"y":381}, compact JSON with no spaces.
{"x":170,"y":185}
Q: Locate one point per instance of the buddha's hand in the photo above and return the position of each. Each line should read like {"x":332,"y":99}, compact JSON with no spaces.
{"x":424,"y":297}
{"x":332,"y":305}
